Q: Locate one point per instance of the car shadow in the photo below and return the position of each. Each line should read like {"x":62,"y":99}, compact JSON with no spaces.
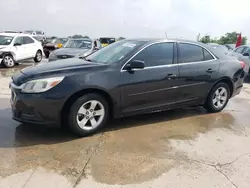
{"x":30,"y":135}
{"x":153,"y":118}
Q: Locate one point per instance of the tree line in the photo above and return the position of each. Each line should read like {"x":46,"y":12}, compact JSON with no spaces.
{"x":228,"y":38}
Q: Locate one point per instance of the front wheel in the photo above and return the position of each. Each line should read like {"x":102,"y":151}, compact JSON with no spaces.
{"x":218,"y":98}
{"x":8,"y":61}
{"x":88,"y":114}
{"x":38,"y":57}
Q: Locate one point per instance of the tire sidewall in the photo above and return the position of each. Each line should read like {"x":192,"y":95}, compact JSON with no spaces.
{"x":6,"y":65}
{"x":75,"y":108}
{"x":36,"y":60}
{"x":209,"y":104}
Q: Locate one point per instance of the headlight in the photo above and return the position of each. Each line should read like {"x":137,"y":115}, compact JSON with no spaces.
{"x":41,"y":85}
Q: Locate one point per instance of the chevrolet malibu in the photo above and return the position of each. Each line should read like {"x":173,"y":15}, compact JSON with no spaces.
{"x":125,"y":78}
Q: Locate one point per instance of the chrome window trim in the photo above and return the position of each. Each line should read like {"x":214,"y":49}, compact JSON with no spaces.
{"x":173,"y":64}
{"x":215,"y":58}
{"x":158,"y":42}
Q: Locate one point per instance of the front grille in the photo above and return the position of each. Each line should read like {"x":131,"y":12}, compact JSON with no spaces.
{"x":64,"y":56}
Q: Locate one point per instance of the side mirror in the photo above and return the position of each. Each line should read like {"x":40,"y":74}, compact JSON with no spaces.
{"x":135,"y":64}
{"x":245,"y":54}
{"x":17,"y":44}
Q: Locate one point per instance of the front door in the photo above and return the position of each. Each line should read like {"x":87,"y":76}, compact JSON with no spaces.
{"x":19,"y":49}
{"x":198,"y":68}
{"x":153,"y":86}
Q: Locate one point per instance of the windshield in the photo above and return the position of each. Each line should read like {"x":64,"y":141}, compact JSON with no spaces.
{"x":5,"y":40}
{"x":28,"y":32}
{"x":107,"y":40}
{"x":115,"y":52}
{"x":79,"y":44}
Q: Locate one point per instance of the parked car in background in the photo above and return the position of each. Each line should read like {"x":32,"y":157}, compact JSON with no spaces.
{"x":75,"y":47}
{"x":15,"y":47}
{"x":219,"y":47}
{"x":53,"y":44}
{"x":243,"y":54}
{"x":106,"y":41}
{"x":230,"y":47}
{"x":126,"y":78}
{"x":39,"y":35}
{"x":10,"y":31}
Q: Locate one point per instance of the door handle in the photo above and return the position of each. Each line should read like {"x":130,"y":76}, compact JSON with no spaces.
{"x":210,"y":70}
{"x":171,"y":76}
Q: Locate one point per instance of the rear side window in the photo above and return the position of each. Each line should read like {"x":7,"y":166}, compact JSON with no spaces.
{"x":207,"y":55}
{"x":190,"y":53}
{"x":157,"y":54}
{"x":27,"y":40}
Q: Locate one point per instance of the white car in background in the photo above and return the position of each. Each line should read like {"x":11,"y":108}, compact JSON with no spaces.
{"x":38,"y":35}
{"x":15,"y":47}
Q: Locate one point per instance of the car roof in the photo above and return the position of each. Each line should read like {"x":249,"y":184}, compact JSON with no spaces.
{"x":14,"y":34}
{"x":216,"y":52}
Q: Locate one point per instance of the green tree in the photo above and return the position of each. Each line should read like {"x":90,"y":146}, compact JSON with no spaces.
{"x":208,"y":39}
{"x":231,"y":38}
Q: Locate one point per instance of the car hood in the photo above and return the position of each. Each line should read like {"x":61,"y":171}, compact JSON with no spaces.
{"x":69,"y":51}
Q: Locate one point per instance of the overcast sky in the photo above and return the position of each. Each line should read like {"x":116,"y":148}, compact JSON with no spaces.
{"x":128,"y":18}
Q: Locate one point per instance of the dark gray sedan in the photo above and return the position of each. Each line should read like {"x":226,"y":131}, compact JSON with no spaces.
{"x":75,"y":47}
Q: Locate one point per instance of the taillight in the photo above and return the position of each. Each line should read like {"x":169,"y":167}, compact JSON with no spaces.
{"x":242,"y":64}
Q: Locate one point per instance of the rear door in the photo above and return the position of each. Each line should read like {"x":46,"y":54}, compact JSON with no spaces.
{"x":198,"y":69}
{"x":153,"y":86}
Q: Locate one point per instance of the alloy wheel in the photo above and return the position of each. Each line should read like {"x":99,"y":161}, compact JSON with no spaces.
{"x":220,"y":97}
{"x":9,"y":61}
{"x":39,"y":56}
{"x":90,"y":115}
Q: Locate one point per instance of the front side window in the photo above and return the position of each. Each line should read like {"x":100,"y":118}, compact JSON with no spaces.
{"x":5,"y":40}
{"x":246,"y":50}
{"x":27,"y":40}
{"x":157,"y":54}
{"x":190,"y":53}
{"x":19,"y":40}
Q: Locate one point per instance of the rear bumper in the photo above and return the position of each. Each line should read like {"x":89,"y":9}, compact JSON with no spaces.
{"x":237,"y":91}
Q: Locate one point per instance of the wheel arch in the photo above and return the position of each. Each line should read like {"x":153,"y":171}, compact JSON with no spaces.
{"x":226,"y":80}
{"x":78,"y":94}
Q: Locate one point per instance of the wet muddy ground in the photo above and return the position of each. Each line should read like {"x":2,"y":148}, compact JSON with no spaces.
{"x":177,"y":148}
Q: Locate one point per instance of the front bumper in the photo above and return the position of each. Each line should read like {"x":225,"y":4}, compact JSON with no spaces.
{"x":35,"y":108}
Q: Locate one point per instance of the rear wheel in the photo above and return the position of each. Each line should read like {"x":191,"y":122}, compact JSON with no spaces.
{"x":218,"y":98}
{"x":88,"y":114}
{"x":39,"y":56}
{"x":8,"y":61}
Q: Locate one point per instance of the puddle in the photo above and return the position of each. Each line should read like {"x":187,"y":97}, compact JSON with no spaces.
{"x":130,"y":150}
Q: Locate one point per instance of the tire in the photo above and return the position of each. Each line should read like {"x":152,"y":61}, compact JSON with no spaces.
{"x":8,"y":61}
{"x":47,"y":54}
{"x":82,"y":116}
{"x":218,"y":98}
{"x":39,"y":56}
